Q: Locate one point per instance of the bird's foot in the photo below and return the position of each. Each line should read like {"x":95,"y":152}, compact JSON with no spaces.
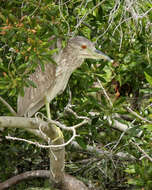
{"x":60,"y":134}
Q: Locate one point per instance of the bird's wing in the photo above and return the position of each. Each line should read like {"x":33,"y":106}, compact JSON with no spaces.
{"x":33,"y":97}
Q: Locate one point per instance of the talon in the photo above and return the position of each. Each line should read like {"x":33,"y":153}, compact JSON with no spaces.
{"x":60,"y":134}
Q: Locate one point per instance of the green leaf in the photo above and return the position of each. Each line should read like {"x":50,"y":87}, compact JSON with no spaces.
{"x":21,"y":92}
{"x":132,"y":181}
{"x":3,"y":68}
{"x":148,"y":78}
{"x":119,"y":101}
{"x":148,"y":127}
{"x":31,"y":83}
{"x":130,"y":170}
{"x":22,"y":66}
{"x":13,"y":92}
{"x":81,"y":142}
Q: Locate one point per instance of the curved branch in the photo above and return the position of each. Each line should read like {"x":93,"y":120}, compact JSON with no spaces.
{"x":45,"y":146}
{"x":27,"y":175}
{"x":69,"y":182}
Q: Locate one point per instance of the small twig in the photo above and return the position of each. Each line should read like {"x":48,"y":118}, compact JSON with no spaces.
{"x":80,"y":7}
{"x":141,"y":150}
{"x":69,"y":128}
{"x":45,"y":146}
{"x":8,"y":106}
{"x":130,"y":6}
{"x":35,"y":9}
{"x":105,"y":93}
{"x":110,"y":20}
{"x":67,"y":108}
{"x":121,"y":38}
{"x":137,"y":115}
{"x":122,"y":134}
{"x":144,"y":14}
{"x":44,"y":135}
{"x":150,"y":105}
{"x":70,"y":96}
{"x":83,"y":18}
{"x":80,"y":124}
{"x":120,"y":23}
{"x":148,"y":56}
{"x":61,"y":15}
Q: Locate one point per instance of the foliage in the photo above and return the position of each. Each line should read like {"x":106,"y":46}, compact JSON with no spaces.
{"x":122,"y":31}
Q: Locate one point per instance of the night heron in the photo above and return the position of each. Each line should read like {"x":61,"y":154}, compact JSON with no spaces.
{"x":53,"y":80}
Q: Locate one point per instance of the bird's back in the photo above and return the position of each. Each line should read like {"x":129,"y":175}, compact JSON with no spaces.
{"x":33,"y":98}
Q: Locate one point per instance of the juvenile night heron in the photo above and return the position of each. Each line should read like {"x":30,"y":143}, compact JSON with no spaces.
{"x":53,"y":80}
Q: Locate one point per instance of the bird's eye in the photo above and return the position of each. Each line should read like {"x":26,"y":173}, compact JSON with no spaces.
{"x":83,"y":46}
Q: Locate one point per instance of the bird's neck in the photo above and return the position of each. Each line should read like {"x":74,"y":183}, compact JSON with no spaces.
{"x":69,"y":60}
{"x":66,"y":64}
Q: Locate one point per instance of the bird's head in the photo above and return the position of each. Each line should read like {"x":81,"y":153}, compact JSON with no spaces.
{"x":86,"y":49}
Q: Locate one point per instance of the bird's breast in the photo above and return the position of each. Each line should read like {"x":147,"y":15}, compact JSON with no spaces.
{"x":61,"y":80}
{"x":63,"y":72}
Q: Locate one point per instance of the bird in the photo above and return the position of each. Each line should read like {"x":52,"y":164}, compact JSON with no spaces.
{"x":54,"y":78}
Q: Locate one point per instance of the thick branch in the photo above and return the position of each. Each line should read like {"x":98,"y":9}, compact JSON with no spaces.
{"x":27,"y":175}
{"x":21,"y":122}
{"x":70,"y":183}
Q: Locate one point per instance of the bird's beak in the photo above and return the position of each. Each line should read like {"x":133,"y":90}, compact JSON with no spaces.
{"x":101,"y":55}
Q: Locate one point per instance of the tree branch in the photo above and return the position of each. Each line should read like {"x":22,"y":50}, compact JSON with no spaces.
{"x":83,"y":18}
{"x":8,"y":106}
{"x":137,"y":115}
{"x":105,"y":93}
{"x":68,"y":182}
{"x":36,"y":126}
{"x":141,"y":150}
{"x":44,"y":146}
{"x":22,"y":122}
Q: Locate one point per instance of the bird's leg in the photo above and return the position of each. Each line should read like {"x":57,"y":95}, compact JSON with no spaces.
{"x":58,"y":131}
{"x":47,"y":104}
